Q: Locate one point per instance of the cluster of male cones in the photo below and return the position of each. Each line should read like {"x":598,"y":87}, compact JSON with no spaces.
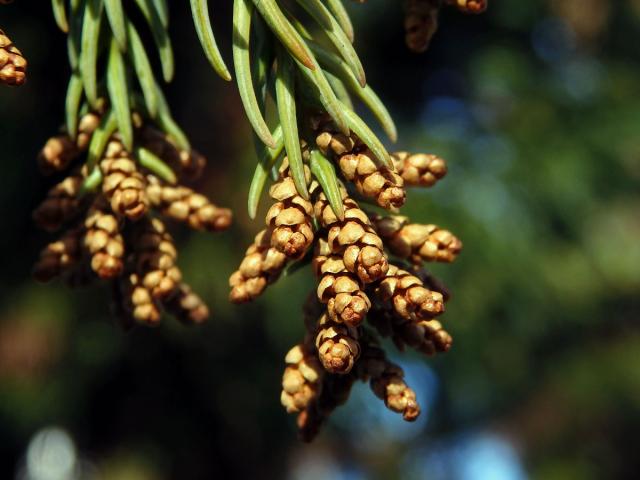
{"x":368,"y":267}
{"x":116,"y":230}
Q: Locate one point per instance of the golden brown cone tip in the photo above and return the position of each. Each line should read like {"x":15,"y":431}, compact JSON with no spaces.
{"x":290,"y":218}
{"x":138,"y":301}
{"x":261,"y":265}
{"x":301,"y":380}
{"x":417,"y":242}
{"x":337,"y":345}
{"x":123,"y":185}
{"x":355,"y":239}
{"x":339,"y":289}
{"x":419,"y":169}
{"x":13,"y":65}
{"x":408,"y":296}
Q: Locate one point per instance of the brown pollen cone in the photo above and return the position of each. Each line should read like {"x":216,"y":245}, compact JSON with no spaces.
{"x":387,"y":382}
{"x":61,"y":204}
{"x":123,"y":185}
{"x":419,"y":169}
{"x":354,"y":238}
{"x":187,"y":306}
{"x":337,"y":345}
{"x":59,"y":257}
{"x":469,"y":6}
{"x":420,"y":23}
{"x":301,"y":380}
{"x":290,"y":218}
{"x":408,"y":297}
{"x":13,"y":66}
{"x":338,"y":288}
{"x":261,"y":265}
{"x":103,"y":241}
{"x":415,"y":241}
{"x":184,"y":205}
{"x":155,"y":258}
{"x":358,"y":165}
{"x":371,"y":180}
{"x":138,"y":303}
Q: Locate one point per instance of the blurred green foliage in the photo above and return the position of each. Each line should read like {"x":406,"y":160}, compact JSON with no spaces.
{"x":535,"y":106}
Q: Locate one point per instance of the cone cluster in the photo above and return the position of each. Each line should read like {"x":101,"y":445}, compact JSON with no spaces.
{"x":115,"y":229}
{"x":13,"y":66}
{"x":370,"y":280}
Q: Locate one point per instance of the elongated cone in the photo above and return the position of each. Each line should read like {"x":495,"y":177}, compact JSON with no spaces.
{"x":387,"y":382}
{"x":103,"y":241}
{"x":138,"y":303}
{"x":187,"y":164}
{"x":378,"y":182}
{"x":420,"y":23}
{"x":425,"y":336}
{"x":419,"y":169}
{"x":337,"y":345}
{"x":408,"y":297}
{"x":13,"y":66}
{"x":59,"y":257}
{"x":335,"y":392}
{"x":302,"y":377}
{"x":469,"y":6}
{"x":262,"y":265}
{"x":415,"y":241}
{"x":155,"y":258}
{"x":61,"y":204}
{"x":354,"y":238}
{"x":290,"y":217}
{"x":187,"y":306}
{"x":123,"y":185}
{"x":184,"y":205}
{"x":338,"y":288}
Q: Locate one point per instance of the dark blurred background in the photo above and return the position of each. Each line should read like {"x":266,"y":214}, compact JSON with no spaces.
{"x":535,"y":106}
